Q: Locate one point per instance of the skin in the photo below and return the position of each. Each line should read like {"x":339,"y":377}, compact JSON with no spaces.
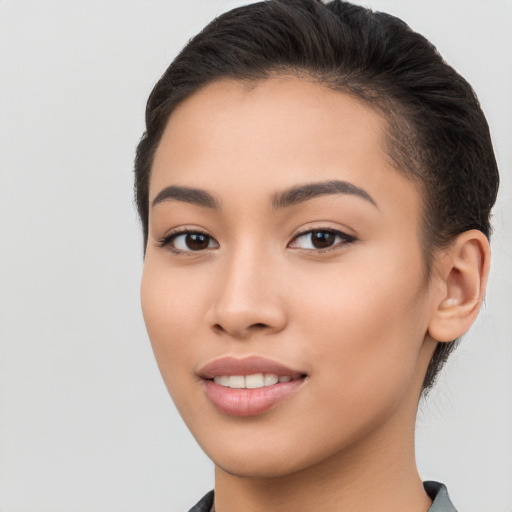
{"x":355,"y":318}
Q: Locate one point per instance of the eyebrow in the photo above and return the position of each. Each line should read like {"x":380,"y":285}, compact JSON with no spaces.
{"x":309,"y":191}
{"x":289,"y":197}
{"x":186,"y":195}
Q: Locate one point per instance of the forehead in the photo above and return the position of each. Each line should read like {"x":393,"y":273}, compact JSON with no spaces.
{"x":272,"y":134}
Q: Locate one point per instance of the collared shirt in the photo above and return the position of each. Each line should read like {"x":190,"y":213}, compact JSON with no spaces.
{"x":437,"y":492}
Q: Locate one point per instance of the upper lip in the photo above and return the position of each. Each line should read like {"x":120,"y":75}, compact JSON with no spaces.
{"x":229,"y":365}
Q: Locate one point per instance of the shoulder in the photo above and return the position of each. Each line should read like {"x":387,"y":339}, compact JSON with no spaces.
{"x":440,"y":500}
{"x":204,"y":504}
{"x":438,"y":493}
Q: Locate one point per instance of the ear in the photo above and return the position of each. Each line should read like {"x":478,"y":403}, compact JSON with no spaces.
{"x":460,"y":273}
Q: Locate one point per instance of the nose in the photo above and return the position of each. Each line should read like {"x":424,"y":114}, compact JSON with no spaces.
{"x":249,"y":298}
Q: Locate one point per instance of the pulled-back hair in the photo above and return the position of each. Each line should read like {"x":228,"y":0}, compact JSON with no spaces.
{"x":437,"y":133}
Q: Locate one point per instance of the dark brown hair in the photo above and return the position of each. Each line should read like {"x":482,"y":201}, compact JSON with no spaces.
{"x":437,"y":133}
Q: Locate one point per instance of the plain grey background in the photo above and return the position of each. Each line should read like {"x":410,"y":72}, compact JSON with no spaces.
{"x":85,"y":420}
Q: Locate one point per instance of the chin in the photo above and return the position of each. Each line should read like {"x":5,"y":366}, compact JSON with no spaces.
{"x":275,"y":467}
{"x":266,"y":460}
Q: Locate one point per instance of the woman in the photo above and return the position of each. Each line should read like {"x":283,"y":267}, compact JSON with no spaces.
{"x":315,"y":185}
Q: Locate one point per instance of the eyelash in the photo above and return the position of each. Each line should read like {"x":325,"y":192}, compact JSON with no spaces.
{"x":168,"y":239}
{"x":346,"y":239}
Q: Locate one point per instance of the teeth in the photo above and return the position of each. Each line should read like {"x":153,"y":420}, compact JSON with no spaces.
{"x":236,"y":381}
{"x":270,"y":379}
{"x":223,"y":380}
{"x":254,"y":381}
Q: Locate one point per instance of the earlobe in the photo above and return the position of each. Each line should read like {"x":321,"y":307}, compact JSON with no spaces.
{"x":462,"y":273}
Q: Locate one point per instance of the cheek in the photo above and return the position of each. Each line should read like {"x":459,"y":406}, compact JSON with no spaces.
{"x":171,"y":306}
{"x":366,"y":325}
{"x":172,"y":298}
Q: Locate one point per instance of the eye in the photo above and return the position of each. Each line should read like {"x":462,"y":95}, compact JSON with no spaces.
{"x":318,"y":239}
{"x":188,"y":241}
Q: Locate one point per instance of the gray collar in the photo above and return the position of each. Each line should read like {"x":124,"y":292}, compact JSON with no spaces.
{"x":438,"y":493}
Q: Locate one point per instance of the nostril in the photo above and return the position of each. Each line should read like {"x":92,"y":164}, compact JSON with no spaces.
{"x":218,"y":328}
{"x":258,"y":325}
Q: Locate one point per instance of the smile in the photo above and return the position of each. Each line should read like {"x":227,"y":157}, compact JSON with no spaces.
{"x":249,"y":386}
{"x":254,"y":381}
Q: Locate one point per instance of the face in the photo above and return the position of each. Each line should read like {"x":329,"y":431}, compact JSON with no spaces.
{"x":284,"y":290}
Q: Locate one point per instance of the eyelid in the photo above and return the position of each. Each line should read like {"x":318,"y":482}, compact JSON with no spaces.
{"x":170,"y":236}
{"x":345,"y":237}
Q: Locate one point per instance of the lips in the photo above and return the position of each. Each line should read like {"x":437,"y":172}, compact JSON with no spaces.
{"x":249,"y":386}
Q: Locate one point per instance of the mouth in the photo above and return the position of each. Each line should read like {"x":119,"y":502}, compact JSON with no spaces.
{"x":253,"y":381}
{"x":249,"y":386}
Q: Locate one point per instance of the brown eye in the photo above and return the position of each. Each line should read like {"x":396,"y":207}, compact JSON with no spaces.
{"x":197,"y":241}
{"x":322,"y":239}
{"x":189,"y":241}
{"x":318,"y":239}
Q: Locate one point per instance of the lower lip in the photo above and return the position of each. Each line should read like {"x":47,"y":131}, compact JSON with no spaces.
{"x":249,"y":402}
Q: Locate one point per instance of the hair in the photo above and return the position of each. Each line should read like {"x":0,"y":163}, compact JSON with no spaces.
{"x":437,"y":134}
